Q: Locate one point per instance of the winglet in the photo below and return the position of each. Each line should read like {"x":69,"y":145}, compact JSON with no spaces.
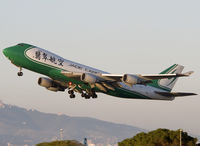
{"x":188,"y":73}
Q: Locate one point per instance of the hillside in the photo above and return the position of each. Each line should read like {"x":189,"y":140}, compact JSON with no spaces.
{"x":22,"y":126}
{"x":61,"y":143}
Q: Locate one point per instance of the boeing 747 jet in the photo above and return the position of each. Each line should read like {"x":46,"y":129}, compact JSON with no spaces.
{"x":63,"y":74}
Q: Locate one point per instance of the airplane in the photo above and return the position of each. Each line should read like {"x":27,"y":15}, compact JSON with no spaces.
{"x":63,"y":74}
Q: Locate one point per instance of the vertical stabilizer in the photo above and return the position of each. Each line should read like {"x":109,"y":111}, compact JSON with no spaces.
{"x":168,"y":83}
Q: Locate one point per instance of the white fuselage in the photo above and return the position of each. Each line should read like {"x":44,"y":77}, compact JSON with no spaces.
{"x":52,"y":60}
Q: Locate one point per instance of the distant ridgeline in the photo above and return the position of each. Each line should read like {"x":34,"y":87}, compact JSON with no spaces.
{"x":160,"y":137}
{"x":19,"y":126}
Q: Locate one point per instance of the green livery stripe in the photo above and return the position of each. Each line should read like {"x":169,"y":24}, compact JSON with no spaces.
{"x":156,"y":82}
{"x":169,"y":69}
{"x":136,"y":94}
{"x":174,"y":79}
{"x":20,"y":58}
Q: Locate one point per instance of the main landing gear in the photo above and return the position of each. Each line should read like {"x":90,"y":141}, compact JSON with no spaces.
{"x":83,"y":94}
{"x":71,"y":94}
{"x":20,"y":73}
{"x":88,"y":95}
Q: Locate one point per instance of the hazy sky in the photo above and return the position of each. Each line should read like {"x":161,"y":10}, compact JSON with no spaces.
{"x":126,"y":36}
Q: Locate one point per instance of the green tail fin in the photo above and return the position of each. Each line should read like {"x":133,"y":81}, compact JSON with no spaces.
{"x":168,"y":84}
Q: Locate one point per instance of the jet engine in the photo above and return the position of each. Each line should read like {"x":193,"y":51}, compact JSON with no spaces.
{"x":89,"y":78}
{"x":49,"y":84}
{"x":55,"y":89}
{"x":131,"y":79}
{"x":45,"y":82}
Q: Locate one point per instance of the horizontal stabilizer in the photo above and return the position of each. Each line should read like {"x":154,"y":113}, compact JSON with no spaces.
{"x":175,"y":94}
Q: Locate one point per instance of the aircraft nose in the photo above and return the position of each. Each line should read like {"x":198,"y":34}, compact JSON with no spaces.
{"x":5,"y":52}
{"x":8,"y":52}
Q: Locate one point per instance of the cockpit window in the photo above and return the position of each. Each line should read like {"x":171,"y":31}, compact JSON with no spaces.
{"x":21,"y":44}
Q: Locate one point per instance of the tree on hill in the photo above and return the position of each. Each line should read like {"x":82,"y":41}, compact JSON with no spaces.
{"x":61,"y":143}
{"x":160,"y":137}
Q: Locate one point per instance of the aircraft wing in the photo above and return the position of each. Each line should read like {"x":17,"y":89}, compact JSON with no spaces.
{"x":119,"y":77}
{"x":110,"y":81}
{"x":148,"y":76}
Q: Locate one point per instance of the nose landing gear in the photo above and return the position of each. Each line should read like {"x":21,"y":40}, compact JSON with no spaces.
{"x":20,"y":73}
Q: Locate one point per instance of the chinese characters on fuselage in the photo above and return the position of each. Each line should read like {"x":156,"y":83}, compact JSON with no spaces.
{"x":43,"y":56}
{"x":39,"y":55}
